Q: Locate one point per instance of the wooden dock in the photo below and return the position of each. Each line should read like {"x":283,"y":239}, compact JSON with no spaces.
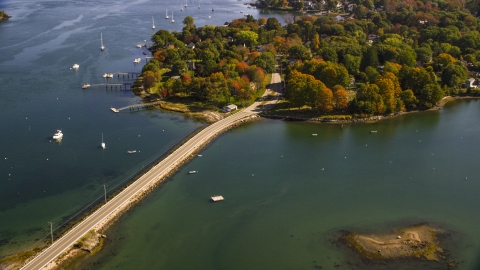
{"x":128,"y":74}
{"x":137,"y":106}
{"x":217,"y":198}
{"x":122,"y":86}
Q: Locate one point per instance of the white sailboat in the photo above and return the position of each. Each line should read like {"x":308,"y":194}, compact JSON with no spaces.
{"x":101,"y":43}
{"x":209,"y":16}
{"x":166,"y":14}
{"x":181,"y":8}
{"x":172,"y":18}
{"x":153,"y":23}
{"x":198,"y":4}
{"x":186,"y":3}
{"x":103,"y":144}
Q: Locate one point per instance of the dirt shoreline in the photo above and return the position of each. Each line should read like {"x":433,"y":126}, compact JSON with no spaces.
{"x":371,"y":119}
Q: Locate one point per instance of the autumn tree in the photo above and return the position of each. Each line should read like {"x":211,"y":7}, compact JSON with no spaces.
{"x":340,"y":97}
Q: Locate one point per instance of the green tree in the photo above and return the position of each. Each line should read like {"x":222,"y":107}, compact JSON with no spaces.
{"x":368,"y":100}
{"x":299,"y":52}
{"x":352,"y":63}
{"x":329,"y":54}
{"x":266,"y":61}
{"x":370,"y":58}
{"x":430,"y":95}
{"x":454,"y":75}
{"x":409,"y":99}
{"x":179,"y":67}
{"x":249,"y":38}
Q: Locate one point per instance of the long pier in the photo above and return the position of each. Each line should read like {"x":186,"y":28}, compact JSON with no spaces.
{"x":142,"y":184}
{"x":136,"y":106}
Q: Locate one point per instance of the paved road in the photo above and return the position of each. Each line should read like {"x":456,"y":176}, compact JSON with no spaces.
{"x":159,"y":171}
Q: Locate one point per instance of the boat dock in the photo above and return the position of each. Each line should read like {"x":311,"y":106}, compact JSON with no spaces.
{"x":123,"y":86}
{"x":137,"y":106}
{"x":128,"y":74}
{"x":217,"y":198}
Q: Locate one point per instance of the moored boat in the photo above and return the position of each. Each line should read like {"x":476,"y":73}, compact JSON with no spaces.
{"x":132,"y":151}
{"x":75,"y":66}
{"x":58,"y":135}
{"x":192,"y":172}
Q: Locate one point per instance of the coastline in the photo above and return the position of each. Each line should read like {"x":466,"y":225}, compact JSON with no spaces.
{"x":371,"y":119}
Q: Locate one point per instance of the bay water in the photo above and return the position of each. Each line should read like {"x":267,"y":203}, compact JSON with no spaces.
{"x":42,"y":181}
{"x":288,"y":193}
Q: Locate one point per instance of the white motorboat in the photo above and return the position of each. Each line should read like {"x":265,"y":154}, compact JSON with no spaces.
{"x":85,"y":86}
{"x":373,"y":131}
{"x":137,"y":60}
{"x":192,"y":172}
{"x":75,"y":66}
{"x":166,"y":14}
{"x":58,"y":135}
{"x":153,"y":23}
{"x":132,"y":151}
{"x":139,"y":46}
{"x":108,"y":75}
{"x":101,"y":43}
{"x":103,"y":144}
{"x":314,"y":134}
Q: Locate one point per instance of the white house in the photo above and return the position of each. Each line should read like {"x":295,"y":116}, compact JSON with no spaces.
{"x":470,"y":83}
{"x":229,"y":108}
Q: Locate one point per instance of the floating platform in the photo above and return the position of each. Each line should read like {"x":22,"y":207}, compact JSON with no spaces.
{"x":217,"y":198}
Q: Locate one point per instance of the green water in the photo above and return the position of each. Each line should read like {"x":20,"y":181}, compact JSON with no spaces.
{"x":288,"y":194}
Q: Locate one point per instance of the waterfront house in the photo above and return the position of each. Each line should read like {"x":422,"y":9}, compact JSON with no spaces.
{"x":230,"y":108}
{"x":471,"y":82}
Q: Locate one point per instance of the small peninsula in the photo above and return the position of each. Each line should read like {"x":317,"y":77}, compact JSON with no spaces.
{"x":4,"y":15}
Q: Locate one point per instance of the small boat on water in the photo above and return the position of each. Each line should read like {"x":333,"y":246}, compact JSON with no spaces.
{"x":103,"y":144}
{"x":192,"y":172}
{"x":101,"y":43}
{"x":314,"y":134}
{"x":139,"y":46}
{"x":58,"y":135}
{"x":166,"y":14}
{"x":199,"y":155}
{"x":75,"y":66}
{"x":137,"y":60}
{"x":85,"y":86}
{"x":153,"y":23}
{"x":108,"y":75}
{"x":172,"y":18}
{"x":132,"y":151}
{"x":373,"y":131}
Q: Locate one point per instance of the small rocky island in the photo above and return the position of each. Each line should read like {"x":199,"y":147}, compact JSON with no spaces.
{"x":415,"y":242}
{"x":418,"y":242}
{"x":4,"y":15}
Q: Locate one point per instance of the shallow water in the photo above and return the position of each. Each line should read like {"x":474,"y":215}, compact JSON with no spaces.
{"x":288,"y":195}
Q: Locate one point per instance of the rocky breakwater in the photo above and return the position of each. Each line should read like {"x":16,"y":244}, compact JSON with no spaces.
{"x":4,"y":15}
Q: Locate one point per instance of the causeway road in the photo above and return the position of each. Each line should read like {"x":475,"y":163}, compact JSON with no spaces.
{"x":156,"y":173}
